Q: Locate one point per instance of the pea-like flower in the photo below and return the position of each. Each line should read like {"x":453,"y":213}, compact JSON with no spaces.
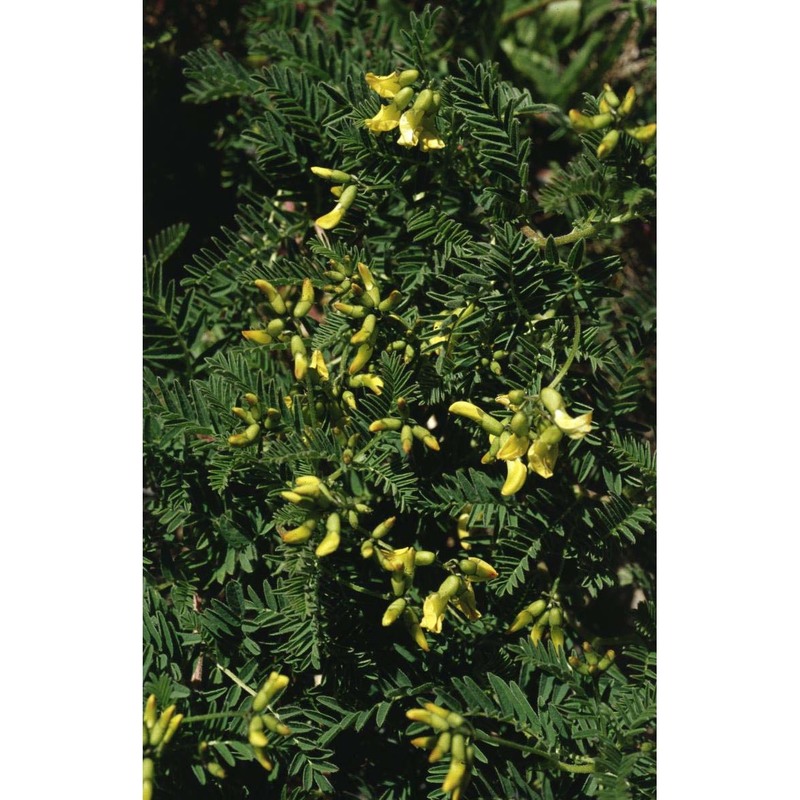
{"x":389,"y":85}
{"x":433,"y":612}
{"x":574,"y":427}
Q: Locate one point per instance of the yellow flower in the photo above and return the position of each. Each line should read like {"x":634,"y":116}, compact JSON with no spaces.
{"x":429,"y":137}
{"x":517,"y":473}
{"x":333,"y":218}
{"x":465,"y":602}
{"x":410,"y":128}
{"x":387,"y":118}
{"x":543,"y":452}
{"x":514,"y":447}
{"x":574,"y":427}
{"x":433,"y":612}
{"x":390,"y":85}
{"x":318,"y":364}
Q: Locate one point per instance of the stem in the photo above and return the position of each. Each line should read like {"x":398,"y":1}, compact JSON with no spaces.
{"x":240,"y":683}
{"x":215,"y":715}
{"x":572,"y":353}
{"x":576,"y":233}
{"x":587,"y":768}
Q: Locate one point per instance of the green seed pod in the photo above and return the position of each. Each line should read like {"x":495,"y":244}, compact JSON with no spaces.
{"x":393,"y":612}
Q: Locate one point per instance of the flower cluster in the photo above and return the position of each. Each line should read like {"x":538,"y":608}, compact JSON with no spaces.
{"x":613,"y":112}
{"x":451,"y":734}
{"x":535,"y":430}
{"x":415,"y":121}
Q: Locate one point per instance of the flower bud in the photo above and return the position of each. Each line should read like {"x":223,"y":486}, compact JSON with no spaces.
{"x":257,"y":337}
{"x":522,"y":620}
{"x":515,"y":480}
{"x":332,"y":538}
{"x":643,"y":133}
{"x":335,"y":175}
{"x":468,"y":410}
{"x":608,"y":143}
{"x":551,"y":399}
{"x":274,"y":298}
{"x":363,"y":355}
{"x":627,"y":102}
{"x":394,"y":611}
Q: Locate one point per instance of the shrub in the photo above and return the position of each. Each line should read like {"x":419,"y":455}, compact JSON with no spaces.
{"x":399,"y":418}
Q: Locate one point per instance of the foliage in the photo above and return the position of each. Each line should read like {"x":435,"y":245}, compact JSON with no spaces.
{"x":432,"y":507}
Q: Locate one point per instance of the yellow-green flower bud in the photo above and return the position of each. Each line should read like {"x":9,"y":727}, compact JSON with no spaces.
{"x":627,"y":102}
{"x":643,"y":133}
{"x":300,"y":534}
{"x":411,"y":621}
{"x":275,"y":725}
{"x":477,"y":569}
{"x":367,"y":329}
{"x":160,"y":728}
{"x":442,"y":747}
{"x":356,"y":312}
{"x":386,"y":424}
{"x":609,"y":95}
{"x":216,"y":769}
{"x":491,"y":425}
{"x":150,"y":712}
{"x":424,"y":435}
{"x":335,"y":175}
{"x":556,"y":617}
{"x":257,"y":337}
{"x":367,"y":548}
{"x":468,"y":410}
{"x":171,"y":728}
{"x":424,"y":558}
{"x":362,"y":357}
{"x":520,"y":424}
{"x":332,"y":538}
{"x":393,"y":612}
{"x":406,"y":438}
{"x":273,"y":296}
{"x":383,"y":528}
{"x":551,"y":399}
{"x":608,"y":143}
{"x":557,"y":637}
{"x":537,"y":631}
{"x":451,"y":585}
{"x":522,"y":620}
{"x":255,"y":732}
{"x":148,"y":769}
{"x":536,"y":608}
{"x":390,"y":302}
{"x":582,"y":123}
